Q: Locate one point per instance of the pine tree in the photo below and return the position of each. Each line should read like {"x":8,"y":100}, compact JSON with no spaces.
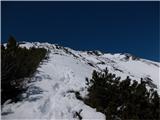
{"x":12,"y":44}
{"x":119,"y":99}
{"x":17,"y":63}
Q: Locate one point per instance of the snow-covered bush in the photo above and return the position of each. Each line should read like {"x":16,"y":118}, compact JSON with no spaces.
{"x":16,"y":64}
{"x":121,"y":99}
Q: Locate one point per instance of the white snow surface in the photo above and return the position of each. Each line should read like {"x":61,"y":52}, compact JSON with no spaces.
{"x":49,"y":93}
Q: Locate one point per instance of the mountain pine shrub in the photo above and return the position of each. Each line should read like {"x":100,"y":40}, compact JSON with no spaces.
{"x":16,"y":64}
{"x":121,"y":99}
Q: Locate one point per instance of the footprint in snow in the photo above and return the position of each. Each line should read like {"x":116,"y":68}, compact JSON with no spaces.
{"x":55,"y":86}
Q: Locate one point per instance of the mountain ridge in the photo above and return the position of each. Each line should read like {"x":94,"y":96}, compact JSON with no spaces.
{"x":66,"y":70}
{"x":54,"y":44}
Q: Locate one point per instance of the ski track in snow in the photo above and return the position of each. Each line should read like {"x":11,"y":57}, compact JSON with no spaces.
{"x":48,"y":96}
{"x":55,"y":102}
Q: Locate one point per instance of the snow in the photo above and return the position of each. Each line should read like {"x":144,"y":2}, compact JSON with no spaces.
{"x":27,"y":45}
{"x":49,"y":96}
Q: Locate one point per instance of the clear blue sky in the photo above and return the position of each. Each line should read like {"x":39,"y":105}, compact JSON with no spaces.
{"x":131,"y":27}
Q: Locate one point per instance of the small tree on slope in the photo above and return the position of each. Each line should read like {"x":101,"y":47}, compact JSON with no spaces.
{"x":16,"y":64}
{"x":119,"y":99}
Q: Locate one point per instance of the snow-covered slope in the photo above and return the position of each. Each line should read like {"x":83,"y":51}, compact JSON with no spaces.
{"x":49,"y":93}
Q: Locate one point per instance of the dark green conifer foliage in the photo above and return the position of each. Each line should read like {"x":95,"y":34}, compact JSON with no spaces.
{"x":16,"y":64}
{"x":122,"y":99}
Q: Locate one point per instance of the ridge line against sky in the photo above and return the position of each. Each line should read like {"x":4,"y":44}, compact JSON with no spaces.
{"x":117,"y":27}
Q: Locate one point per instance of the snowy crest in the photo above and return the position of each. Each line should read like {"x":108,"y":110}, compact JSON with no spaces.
{"x":49,"y":93}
